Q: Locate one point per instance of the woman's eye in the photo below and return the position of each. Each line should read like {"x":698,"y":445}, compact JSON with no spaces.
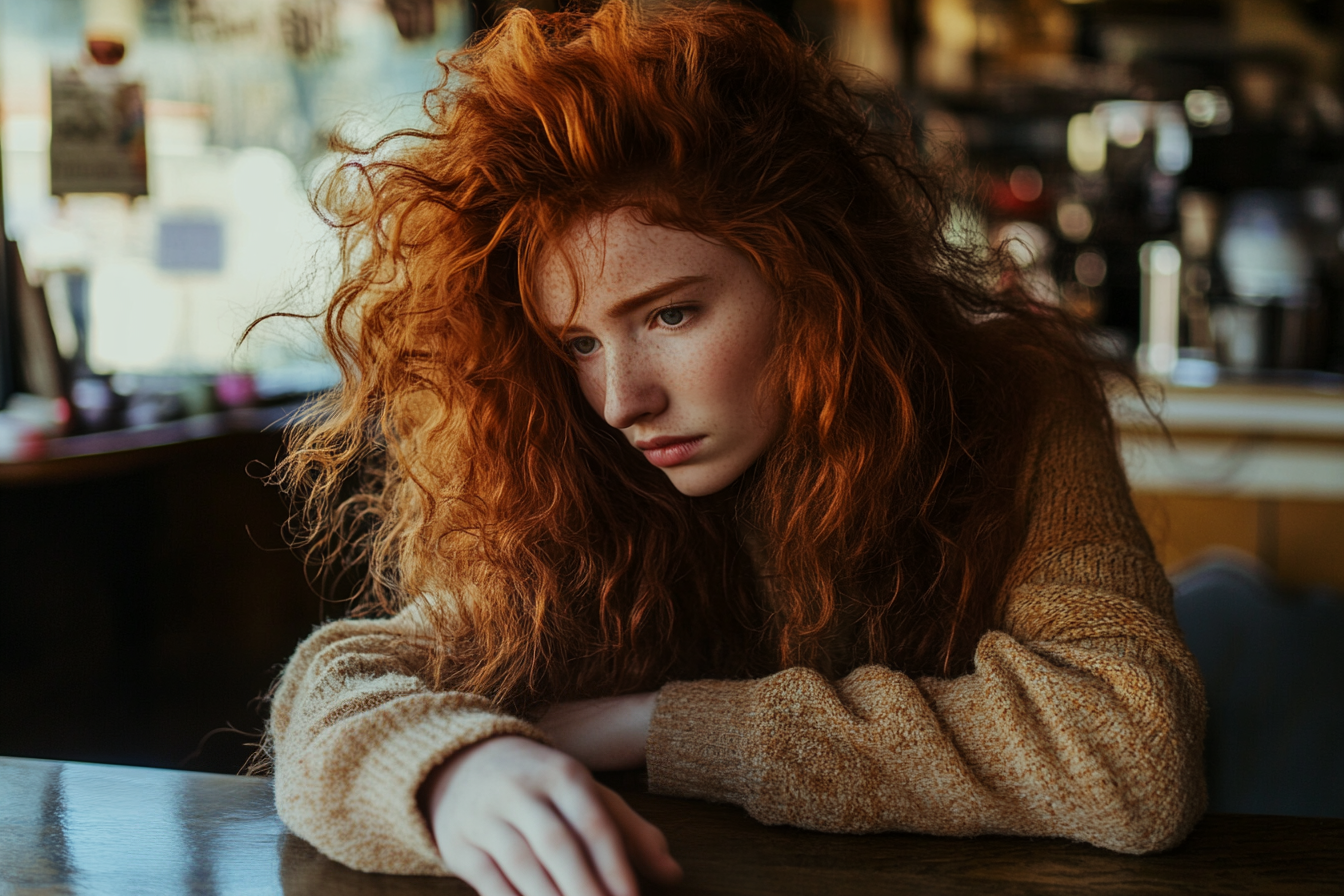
{"x":672,"y":317}
{"x":583,"y":345}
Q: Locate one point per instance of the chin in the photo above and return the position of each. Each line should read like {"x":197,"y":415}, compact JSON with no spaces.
{"x":699,"y":483}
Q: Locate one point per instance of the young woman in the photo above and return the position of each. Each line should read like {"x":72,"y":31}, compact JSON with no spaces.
{"x":687,"y":439}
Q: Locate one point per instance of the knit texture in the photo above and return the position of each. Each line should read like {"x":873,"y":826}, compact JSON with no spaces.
{"x":1083,"y":717}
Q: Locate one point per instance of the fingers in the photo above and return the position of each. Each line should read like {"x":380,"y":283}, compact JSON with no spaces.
{"x":519,"y":860}
{"x":480,"y":872}
{"x":563,"y":846}
{"x":646,"y":845}
{"x":514,"y":818}
{"x":566,"y":859}
{"x":584,"y":810}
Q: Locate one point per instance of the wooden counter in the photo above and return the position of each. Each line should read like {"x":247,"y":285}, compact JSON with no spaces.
{"x":93,"y":829}
{"x":1256,"y":467}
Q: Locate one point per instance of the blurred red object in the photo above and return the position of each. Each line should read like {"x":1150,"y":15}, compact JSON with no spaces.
{"x":20,"y":440}
{"x":105,"y":51}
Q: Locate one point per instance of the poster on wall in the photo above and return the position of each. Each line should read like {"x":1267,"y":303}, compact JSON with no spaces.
{"x":97,"y":134}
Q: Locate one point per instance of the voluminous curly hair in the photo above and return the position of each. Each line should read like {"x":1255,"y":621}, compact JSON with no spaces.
{"x":458,"y":460}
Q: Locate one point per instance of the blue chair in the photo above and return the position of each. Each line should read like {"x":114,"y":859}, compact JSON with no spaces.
{"x":1273,"y":664}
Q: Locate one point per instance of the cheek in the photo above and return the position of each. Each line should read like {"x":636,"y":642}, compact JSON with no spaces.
{"x":741,"y":363}
{"x":725,"y":380}
{"x":592,"y":385}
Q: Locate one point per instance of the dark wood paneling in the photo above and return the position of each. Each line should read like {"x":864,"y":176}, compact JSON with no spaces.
{"x":146,"y":607}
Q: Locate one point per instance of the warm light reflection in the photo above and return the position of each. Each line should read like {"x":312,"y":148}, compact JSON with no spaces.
{"x":1074,"y":219}
{"x":1090,"y":268}
{"x":1206,"y":108}
{"x":1086,"y":143}
{"x":1160,"y":307}
{"x":1026,"y":183}
{"x":1126,"y":121}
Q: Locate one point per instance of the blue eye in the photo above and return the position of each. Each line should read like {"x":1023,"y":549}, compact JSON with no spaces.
{"x":672,"y":316}
{"x":582,"y":345}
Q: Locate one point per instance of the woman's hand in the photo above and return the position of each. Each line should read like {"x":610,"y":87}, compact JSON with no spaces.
{"x":606,"y":734}
{"x":512,"y":817}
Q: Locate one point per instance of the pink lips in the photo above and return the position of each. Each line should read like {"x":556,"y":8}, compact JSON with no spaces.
{"x":668,"y":451}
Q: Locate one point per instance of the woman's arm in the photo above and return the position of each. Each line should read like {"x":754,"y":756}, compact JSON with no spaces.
{"x":1083,"y":718}
{"x":354,"y":731}
{"x":382,"y":773}
{"x":605,"y":734}
{"x":513,"y":816}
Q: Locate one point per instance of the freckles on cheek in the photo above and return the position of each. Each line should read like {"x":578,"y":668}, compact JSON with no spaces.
{"x":730,"y":360}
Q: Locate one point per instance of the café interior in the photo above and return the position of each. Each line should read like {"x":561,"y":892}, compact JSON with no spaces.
{"x":1169,"y":171}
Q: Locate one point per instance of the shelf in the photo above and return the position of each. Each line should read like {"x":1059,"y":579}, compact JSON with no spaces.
{"x":108,"y":453}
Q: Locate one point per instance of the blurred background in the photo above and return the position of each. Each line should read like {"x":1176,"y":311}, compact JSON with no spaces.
{"x":1169,"y":171}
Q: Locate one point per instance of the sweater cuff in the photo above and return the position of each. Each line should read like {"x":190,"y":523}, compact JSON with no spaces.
{"x":380,"y":826}
{"x":418,"y":749}
{"x":701,"y":741}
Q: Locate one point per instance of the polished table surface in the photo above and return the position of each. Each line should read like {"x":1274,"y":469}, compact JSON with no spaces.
{"x":68,"y":827}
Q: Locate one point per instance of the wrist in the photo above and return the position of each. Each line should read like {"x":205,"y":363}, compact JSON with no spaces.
{"x":440,"y":777}
{"x":604,"y":733}
{"x":643,"y":721}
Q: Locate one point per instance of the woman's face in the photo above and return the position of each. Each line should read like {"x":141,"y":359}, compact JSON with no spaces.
{"x":671,"y":338}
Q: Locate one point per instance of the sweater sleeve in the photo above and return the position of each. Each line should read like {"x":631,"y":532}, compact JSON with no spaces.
{"x":1082,"y":718}
{"x":354,"y":731}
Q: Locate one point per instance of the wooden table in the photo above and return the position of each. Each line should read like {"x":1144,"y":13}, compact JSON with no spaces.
{"x":77,"y":828}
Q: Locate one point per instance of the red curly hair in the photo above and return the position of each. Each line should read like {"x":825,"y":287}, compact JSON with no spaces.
{"x":458,"y":457}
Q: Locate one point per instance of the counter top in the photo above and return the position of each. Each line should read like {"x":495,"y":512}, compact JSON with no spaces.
{"x":77,"y":828}
{"x":1238,"y":409}
{"x":1261,"y":442}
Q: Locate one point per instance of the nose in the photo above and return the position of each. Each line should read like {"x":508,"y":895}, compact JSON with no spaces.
{"x":631,"y":390}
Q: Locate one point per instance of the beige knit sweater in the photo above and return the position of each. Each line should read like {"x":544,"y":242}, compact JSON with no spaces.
{"x":1083,"y":717}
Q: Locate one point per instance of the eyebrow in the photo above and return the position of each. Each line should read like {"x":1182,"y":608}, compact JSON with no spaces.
{"x":625,"y":306}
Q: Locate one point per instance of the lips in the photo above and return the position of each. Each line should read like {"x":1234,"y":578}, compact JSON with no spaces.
{"x":668,"y":451}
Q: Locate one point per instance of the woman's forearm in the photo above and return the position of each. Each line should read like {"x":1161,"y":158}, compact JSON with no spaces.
{"x":605,"y":734}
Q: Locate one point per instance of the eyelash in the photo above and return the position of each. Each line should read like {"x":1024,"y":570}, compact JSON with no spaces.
{"x":686,"y":310}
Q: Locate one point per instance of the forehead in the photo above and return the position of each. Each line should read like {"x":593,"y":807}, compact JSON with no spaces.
{"x":606,"y":258}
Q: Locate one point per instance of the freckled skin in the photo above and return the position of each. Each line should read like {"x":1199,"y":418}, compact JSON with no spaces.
{"x":685,"y":363}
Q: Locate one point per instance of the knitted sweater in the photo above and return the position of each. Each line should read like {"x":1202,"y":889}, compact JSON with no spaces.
{"x":1083,"y":716}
